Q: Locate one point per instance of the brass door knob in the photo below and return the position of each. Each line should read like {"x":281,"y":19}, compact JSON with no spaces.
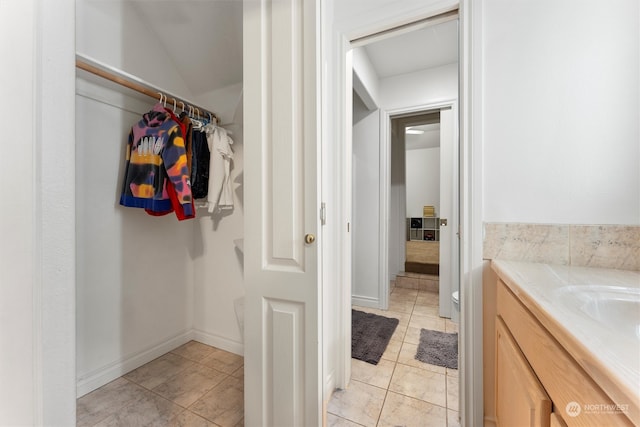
{"x":309,"y":238}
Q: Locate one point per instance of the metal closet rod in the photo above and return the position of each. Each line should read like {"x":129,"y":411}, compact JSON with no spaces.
{"x":134,"y":83}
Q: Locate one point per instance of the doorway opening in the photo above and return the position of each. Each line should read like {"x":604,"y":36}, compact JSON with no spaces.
{"x":423,"y":250}
{"x":381,"y":224}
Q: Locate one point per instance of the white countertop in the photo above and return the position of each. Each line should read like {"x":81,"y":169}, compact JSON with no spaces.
{"x":609,"y":356}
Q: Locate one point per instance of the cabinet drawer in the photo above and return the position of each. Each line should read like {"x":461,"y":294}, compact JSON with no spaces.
{"x":563,"y":379}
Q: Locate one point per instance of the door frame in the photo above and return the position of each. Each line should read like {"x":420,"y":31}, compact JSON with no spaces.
{"x":336,"y":98}
{"x":385,"y":182}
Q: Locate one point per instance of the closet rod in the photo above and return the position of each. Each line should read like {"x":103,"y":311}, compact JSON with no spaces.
{"x":132,"y":82}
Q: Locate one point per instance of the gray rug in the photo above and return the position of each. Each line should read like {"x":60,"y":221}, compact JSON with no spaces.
{"x":370,"y":335}
{"x":438,"y":348}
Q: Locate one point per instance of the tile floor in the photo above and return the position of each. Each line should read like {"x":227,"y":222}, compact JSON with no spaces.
{"x":194,"y":385}
{"x":197,"y":385}
{"x":400,"y":390}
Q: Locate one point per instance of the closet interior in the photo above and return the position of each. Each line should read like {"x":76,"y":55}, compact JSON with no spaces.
{"x":148,"y":284}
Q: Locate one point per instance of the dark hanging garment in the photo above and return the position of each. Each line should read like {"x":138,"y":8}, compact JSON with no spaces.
{"x":181,"y":214}
{"x":200,"y":165}
{"x":156,"y":159}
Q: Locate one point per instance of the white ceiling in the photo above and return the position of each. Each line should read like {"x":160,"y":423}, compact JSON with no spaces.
{"x":429,"y":139}
{"x":429,"y":47}
{"x":203,"y":38}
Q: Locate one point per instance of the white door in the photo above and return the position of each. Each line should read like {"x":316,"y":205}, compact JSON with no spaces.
{"x":448,"y":209}
{"x":281,"y":134}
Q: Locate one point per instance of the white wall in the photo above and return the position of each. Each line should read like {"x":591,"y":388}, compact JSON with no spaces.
{"x":37,"y":259}
{"x":423,"y":180}
{"x":561,"y":108}
{"x":218,"y":262}
{"x":365,"y":81}
{"x":18,"y":280}
{"x":134,"y":273}
{"x":428,"y":86}
{"x":366,"y":200}
{"x":113,"y":33}
{"x":227,"y":101}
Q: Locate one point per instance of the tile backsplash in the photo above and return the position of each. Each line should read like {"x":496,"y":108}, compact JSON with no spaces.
{"x":606,"y":246}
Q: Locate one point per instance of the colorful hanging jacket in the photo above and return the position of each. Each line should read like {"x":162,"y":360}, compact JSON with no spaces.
{"x":155,"y":159}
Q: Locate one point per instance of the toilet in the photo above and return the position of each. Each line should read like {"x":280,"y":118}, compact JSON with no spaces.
{"x":455,"y":313}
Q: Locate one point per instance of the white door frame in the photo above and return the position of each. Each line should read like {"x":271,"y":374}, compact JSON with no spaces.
{"x":470,"y":128}
{"x":385,"y":185}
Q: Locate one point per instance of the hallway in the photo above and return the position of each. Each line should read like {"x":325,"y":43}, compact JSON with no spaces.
{"x":401,"y":390}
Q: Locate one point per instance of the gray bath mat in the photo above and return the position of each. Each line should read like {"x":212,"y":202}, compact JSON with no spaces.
{"x":438,"y":348}
{"x":370,"y":335}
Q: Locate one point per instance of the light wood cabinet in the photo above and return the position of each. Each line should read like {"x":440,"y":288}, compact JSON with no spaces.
{"x":556,"y":420}
{"x":535,"y":374}
{"x":520,"y":398}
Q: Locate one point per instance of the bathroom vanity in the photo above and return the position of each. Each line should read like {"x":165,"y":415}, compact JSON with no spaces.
{"x":567,"y":345}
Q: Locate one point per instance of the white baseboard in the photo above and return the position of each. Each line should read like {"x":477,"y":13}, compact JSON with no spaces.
{"x":219,"y":342}
{"x":329,"y":386}
{"x":365,"y":301}
{"x":112,"y":371}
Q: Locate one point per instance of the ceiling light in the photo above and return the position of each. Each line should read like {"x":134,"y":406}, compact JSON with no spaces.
{"x":411,"y":131}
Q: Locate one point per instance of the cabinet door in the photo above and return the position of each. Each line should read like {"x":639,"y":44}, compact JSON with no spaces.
{"x":556,"y":420}
{"x":520,"y":398}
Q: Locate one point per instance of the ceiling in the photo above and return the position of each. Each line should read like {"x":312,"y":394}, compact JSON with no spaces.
{"x":203,"y":38}
{"x":429,"y":139}
{"x":429,"y":47}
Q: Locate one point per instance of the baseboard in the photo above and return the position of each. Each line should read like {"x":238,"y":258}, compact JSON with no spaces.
{"x":219,"y":342}
{"x":108,"y":373}
{"x":329,"y":386}
{"x":365,"y":301}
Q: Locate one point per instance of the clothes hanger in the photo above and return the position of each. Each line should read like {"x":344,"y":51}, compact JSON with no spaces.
{"x":198,"y":120}
{"x":197,"y":124}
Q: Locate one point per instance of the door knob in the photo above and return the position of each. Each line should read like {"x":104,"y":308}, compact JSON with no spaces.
{"x":309,"y":238}
{"x":443,"y":222}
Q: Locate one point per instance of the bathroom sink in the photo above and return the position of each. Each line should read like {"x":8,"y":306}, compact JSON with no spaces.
{"x":614,"y":306}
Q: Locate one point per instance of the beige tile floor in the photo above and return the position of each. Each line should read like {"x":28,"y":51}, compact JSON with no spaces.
{"x":197,"y":385}
{"x":194,"y":385}
{"x":400,"y":390}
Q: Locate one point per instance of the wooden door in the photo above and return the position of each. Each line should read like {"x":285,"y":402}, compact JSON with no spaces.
{"x":520,"y":398}
{"x":282,"y":339}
